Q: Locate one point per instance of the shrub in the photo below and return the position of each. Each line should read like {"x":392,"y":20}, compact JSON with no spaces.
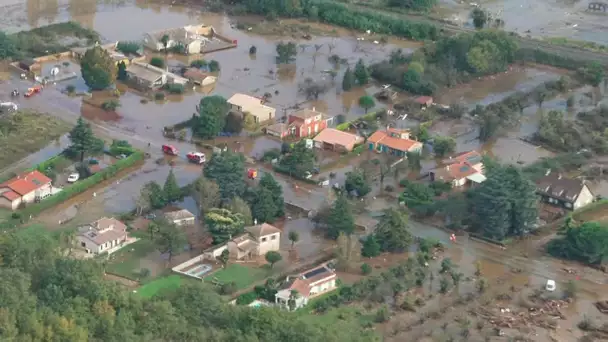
{"x":246,"y":298}
{"x":389,"y":188}
{"x":366,"y":269}
{"x":157,"y":62}
{"x":382,"y":315}
{"x":15,"y":216}
{"x":128,"y":47}
{"x":199,"y":63}
{"x":269,"y":155}
{"x":228,"y":288}
{"x":159,"y":96}
{"x":110,"y":105}
{"x":70,"y":89}
{"x":214,"y":66}
{"x":175,"y":88}
{"x":253,"y":50}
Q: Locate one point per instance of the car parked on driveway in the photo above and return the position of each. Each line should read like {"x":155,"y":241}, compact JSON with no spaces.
{"x":73,"y":177}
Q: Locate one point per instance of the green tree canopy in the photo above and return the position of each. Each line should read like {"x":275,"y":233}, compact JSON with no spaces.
{"x":391,"y":232}
{"x":357,"y":182}
{"x":505,"y":204}
{"x":348,"y":82}
{"x":587,"y":243}
{"x":286,"y":52}
{"x":8,"y":48}
{"x":223,"y":224}
{"x":361,"y":73}
{"x":157,"y":195}
{"x":299,"y":161}
{"x":273,"y":257}
{"x":366,"y":102}
{"x":443,"y":146}
{"x":270,"y":192}
{"x":98,"y":68}
{"x":169,"y":239}
{"x":340,"y":219}
{"x":212,"y":112}
{"x":239,"y":206}
{"x":371,"y":247}
{"x":207,"y":193}
{"x":227,"y":169}
{"x":171,"y":189}
{"x":82,"y":139}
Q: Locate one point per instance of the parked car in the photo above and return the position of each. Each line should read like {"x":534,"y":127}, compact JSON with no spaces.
{"x":550,"y":285}
{"x":73,"y":177}
{"x":121,"y":156}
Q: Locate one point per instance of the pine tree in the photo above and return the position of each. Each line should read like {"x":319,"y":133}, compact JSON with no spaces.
{"x":264,"y":208}
{"x":371,"y":247}
{"x":172,"y":191}
{"x":122,"y":71}
{"x":340,"y":219}
{"x":348,"y":81}
{"x":361,"y":73}
{"x":82,"y":138}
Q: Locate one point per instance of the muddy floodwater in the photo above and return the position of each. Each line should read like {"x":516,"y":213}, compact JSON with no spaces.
{"x":541,"y":18}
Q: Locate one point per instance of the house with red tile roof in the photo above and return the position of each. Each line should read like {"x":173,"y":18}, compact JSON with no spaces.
{"x":393,"y":141}
{"x":25,"y":188}
{"x":464,"y":168}
{"x":336,"y":140}
{"x":424,"y":101}
{"x":306,"y":285}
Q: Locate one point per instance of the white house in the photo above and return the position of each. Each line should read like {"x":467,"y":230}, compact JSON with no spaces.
{"x":25,"y":188}
{"x":257,"y":241}
{"x":252,"y":106}
{"x":307,"y":285}
{"x":104,"y":235}
{"x":562,"y":191}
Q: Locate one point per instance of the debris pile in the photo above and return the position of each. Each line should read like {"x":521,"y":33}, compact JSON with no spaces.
{"x":602,"y":306}
{"x":544,"y":315}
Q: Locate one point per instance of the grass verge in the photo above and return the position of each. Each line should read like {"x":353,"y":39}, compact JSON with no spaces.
{"x":169,"y":283}
{"x":125,"y":261}
{"x":242,"y":276}
{"x":26,"y":132}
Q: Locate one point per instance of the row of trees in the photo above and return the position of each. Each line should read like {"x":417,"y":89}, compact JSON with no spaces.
{"x":46,"y":296}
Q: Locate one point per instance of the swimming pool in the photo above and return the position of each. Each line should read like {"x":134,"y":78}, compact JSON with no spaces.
{"x":257,"y":304}
{"x":199,"y":270}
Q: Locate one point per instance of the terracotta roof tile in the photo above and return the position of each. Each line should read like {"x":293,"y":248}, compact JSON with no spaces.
{"x":454,"y":171}
{"x":27,"y":182}
{"x":10,"y":195}
{"x":381,"y":137}
{"x":336,"y":137}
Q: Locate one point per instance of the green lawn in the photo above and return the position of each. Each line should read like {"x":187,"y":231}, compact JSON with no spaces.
{"x":125,"y":262}
{"x":172,"y":282}
{"x":243,"y":276}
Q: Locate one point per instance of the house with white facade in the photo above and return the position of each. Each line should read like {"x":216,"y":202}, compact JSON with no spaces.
{"x":25,"y":188}
{"x":257,"y":241}
{"x":562,"y":191}
{"x":253,"y":106}
{"x":104,"y":235}
{"x":306,"y":285}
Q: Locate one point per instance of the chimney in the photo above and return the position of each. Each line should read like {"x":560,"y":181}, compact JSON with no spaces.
{"x":548,"y":172}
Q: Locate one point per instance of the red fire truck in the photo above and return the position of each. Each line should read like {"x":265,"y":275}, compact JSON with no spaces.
{"x":196,"y":157}
{"x":170,"y":149}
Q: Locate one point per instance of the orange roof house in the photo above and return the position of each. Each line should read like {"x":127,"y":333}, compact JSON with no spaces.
{"x":24,"y":188}
{"x":393,"y":141}
{"x":461,"y":169}
{"x":336,"y":140}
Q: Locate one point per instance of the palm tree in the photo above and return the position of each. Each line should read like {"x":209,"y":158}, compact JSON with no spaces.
{"x":165,"y":40}
{"x":152,"y":229}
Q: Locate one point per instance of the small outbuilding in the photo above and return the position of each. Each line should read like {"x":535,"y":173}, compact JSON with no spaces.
{"x":335,"y":140}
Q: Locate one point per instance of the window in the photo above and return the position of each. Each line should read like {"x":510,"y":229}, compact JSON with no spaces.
{"x":263,"y":239}
{"x":274,"y":237}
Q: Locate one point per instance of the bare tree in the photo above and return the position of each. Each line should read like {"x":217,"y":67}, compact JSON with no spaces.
{"x":332,"y":45}
{"x":303,"y":47}
{"x":142,"y":202}
{"x":313,"y":89}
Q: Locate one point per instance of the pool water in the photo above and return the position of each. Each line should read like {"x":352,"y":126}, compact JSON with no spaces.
{"x":199,"y":270}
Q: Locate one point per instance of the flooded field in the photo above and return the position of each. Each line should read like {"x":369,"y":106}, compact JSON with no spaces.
{"x":544,"y":18}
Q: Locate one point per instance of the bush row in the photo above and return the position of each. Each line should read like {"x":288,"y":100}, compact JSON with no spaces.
{"x":81,"y":186}
{"x":285,"y":171}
